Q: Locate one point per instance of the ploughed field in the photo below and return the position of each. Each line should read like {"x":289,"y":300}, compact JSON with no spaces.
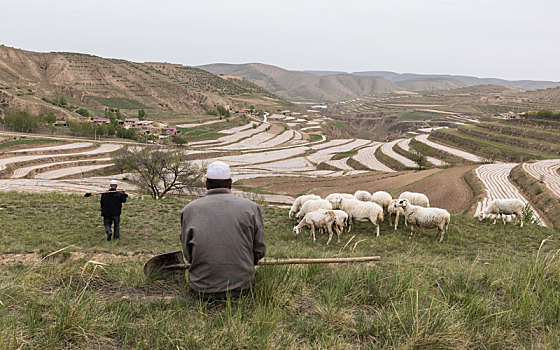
{"x":280,"y":155}
{"x":485,"y":286}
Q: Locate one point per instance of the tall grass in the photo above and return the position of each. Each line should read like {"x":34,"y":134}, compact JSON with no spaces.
{"x":486,"y":286}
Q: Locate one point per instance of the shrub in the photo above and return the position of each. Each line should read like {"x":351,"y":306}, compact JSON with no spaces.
{"x":83,"y":112}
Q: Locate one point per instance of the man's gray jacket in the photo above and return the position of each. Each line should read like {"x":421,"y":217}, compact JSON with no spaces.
{"x":223,"y":239}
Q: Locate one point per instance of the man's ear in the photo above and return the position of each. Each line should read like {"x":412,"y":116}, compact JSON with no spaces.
{"x":230,"y":183}
{"x":207,"y":186}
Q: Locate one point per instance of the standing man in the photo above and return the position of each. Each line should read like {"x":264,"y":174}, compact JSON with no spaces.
{"x":111,"y":206}
{"x":222,"y":237}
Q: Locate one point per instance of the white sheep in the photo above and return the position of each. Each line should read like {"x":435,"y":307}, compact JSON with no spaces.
{"x":341,"y":220}
{"x":416,"y":198}
{"x":312,"y":205}
{"x":363,"y":196}
{"x":316,"y":219}
{"x":361,"y":211}
{"x":296,"y":206}
{"x":344,"y":195}
{"x":501,"y":207}
{"x":393,"y":210}
{"x":419,"y":216}
{"x":382,"y":198}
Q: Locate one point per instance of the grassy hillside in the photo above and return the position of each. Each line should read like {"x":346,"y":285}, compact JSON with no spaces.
{"x":28,"y":80}
{"x":486,"y":286}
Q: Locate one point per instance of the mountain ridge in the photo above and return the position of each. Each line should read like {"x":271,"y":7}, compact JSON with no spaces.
{"x":332,"y":86}
{"x":27,"y":78}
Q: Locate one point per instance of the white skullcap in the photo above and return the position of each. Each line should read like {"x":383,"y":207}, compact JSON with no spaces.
{"x":113,"y":182}
{"x":218,"y":171}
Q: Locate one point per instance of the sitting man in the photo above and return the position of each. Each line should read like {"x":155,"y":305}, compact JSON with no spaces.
{"x":222,"y":237}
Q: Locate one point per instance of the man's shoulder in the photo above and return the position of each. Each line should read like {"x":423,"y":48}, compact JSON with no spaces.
{"x":230,"y":198}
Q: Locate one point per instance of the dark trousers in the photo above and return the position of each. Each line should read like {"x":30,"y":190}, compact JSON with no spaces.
{"x":108,"y":221}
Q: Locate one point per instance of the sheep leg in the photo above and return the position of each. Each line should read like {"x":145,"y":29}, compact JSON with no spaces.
{"x":329,"y":228}
{"x":442,"y":232}
{"x":396,"y":220}
{"x":338,"y":232}
{"x":313,"y":232}
{"x":411,"y":231}
{"x":520,"y":215}
{"x":377,"y":230}
{"x":503,"y":219}
{"x":495,"y":218}
{"x":349,"y":224}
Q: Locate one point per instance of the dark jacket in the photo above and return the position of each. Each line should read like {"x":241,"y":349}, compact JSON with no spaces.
{"x":223,"y":239}
{"x":111,"y":203}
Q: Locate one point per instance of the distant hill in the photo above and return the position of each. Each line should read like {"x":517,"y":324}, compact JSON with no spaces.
{"x":304,"y":86}
{"x":330,"y":86}
{"x":28,"y":78}
{"x":464,"y":79}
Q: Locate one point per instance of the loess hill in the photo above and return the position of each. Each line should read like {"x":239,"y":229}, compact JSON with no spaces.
{"x":27,"y":77}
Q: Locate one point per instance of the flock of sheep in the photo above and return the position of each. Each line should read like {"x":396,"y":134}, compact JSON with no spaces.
{"x":338,"y":211}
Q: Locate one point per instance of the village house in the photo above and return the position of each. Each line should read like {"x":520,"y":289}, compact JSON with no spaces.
{"x":131,"y":122}
{"x":169,"y":130}
{"x":101,"y":121}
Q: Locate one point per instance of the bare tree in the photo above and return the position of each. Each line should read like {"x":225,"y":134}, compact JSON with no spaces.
{"x":159,"y":171}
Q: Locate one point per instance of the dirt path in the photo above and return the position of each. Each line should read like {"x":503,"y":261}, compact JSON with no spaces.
{"x":546,"y":171}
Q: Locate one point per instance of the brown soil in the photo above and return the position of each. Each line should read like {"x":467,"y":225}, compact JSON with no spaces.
{"x":447,"y":189}
{"x":323,"y":186}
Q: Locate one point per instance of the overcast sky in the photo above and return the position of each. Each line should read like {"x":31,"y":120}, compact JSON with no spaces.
{"x":510,"y":39}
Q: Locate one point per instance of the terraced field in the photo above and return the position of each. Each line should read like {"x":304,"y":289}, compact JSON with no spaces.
{"x":547,"y":171}
{"x":270,"y":148}
{"x":453,"y":151}
{"x":497,"y":185}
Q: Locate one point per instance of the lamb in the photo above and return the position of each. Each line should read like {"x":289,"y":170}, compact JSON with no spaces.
{"x":363,"y":196}
{"x":419,"y":216}
{"x":392,"y":209}
{"x":318,"y":219}
{"x":312,"y":205}
{"x":296,"y":206}
{"x":415,"y":198}
{"x":501,"y":207}
{"x":382,"y":198}
{"x":361,"y":211}
{"x":341,"y":221}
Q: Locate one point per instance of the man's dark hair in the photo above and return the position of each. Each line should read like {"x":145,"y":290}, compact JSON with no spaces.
{"x":215,"y":183}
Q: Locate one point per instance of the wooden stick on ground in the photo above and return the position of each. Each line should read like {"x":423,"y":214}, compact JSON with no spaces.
{"x":319,"y":261}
